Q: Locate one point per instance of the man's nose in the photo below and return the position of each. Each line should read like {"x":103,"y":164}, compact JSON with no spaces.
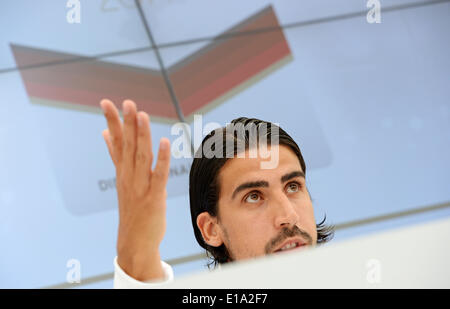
{"x":284,"y":209}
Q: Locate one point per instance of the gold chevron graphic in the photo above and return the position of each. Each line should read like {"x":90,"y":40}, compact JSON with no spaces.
{"x":204,"y":79}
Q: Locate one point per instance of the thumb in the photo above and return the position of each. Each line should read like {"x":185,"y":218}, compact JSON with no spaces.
{"x":160,"y":174}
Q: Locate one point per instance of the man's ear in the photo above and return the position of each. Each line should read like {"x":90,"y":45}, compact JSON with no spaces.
{"x":209,"y":228}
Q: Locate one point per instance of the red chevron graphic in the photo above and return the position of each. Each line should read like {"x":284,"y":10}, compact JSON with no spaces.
{"x":201,"y":81}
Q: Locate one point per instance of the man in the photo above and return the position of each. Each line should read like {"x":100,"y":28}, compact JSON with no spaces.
{"x":239,"y":208}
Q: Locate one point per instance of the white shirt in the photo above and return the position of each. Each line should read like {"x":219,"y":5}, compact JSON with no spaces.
{"x":123,"y":281}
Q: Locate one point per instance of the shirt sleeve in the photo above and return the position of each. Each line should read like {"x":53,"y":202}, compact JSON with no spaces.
{"x":123,"y":281}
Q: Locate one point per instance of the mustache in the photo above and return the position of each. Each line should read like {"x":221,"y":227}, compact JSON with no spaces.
{"x":285,"y":234}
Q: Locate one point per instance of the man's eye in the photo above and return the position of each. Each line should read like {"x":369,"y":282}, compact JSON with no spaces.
{"x":294,"y":187}
{"x":252,"y":198}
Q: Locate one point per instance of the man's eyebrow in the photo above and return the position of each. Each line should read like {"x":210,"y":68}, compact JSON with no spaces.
{"x":293,"y":175}
{"x":263,"y":183}
{"x":251,"y":184}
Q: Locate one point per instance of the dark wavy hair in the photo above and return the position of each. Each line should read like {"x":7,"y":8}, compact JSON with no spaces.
{"x":204,"y":186}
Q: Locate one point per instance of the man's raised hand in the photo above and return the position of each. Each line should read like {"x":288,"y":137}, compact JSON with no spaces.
{"x":141,"y":191}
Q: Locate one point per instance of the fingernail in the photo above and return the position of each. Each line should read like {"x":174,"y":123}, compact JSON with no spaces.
{"x":102,"y":105}
{"x":162,"y":145}
{"x":140,"y":121}
{"x":126,"y":108}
